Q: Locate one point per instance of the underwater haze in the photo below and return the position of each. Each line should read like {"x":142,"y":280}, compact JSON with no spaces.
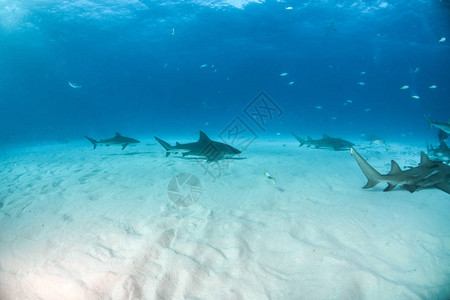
{"x":150,"y":149}
{"x":139,"y":66}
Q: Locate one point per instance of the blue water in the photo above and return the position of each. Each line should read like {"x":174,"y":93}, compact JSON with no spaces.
{"x":139,"y":67}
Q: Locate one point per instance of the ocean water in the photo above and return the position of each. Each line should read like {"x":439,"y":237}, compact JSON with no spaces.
{"x":275,"y":222}
{"x":139,"y":65}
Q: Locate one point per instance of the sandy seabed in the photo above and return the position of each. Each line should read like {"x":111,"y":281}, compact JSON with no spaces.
{"x":77,"y":223}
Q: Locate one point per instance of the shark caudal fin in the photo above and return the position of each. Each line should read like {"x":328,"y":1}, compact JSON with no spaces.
{"x":429,"y":121}
{"x":94,"y":142}
{"x":165,"y":145}
{"x":299,"y":139}
{"x":372,"y":175}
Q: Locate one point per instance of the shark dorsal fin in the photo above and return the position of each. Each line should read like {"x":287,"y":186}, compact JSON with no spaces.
{"x":117,"y":134}
{"x":424,"y":160}
{"x":395,"y":169}
{"x":203,"y":137}
{"x":325,"y":136}
{"x":177,"y":144}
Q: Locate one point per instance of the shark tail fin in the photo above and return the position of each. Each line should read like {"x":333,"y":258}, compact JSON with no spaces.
{"x":429,"y":121}
{"x":165,"y":145}
{"x":299,"y":139}
{"x":94,"y":142}
{"x":372,"y":175}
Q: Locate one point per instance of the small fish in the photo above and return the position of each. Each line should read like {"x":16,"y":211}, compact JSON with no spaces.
{"x":318,"y":107}
{"x":173,"y":30}
{"x":282,"y":74}
{"x":349,"y":101}
{"x":415,"y":97}
{"x":361,"y":83}
{"x":289,"y":8}
{"x":333,"y":118}
{"x":417,"y":70}
{"x":362,"y":73}
{"x":378,"y":142}
{"x":291,"y":83}
{"x":165,"y":65}
{"x":432,"y":86}
{"x":443,"y":39}
{"x":405,"y":87}
{"x":268,"y":176}
{"x":74,"y":85}
{"x":367,"y":109}
{"x":203,"y":66}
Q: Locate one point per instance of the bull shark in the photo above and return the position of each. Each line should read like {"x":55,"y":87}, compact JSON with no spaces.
{"x":442,"y":126}
{"x":117,"y":140}
{"x":441,"y":153}
{"x":326,"y":142}
{"x":428,"y":174}
{"x":204,"y":147}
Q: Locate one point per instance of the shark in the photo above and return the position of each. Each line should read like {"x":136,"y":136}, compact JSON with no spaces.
{"x":442,"y":135}
{"x":117,"y":140}
{"x":445,"y":127}
{"x":441,"y":153}
{"x":326,"y":142}
{"x":428,"y":174}
{"x":204,"y":147}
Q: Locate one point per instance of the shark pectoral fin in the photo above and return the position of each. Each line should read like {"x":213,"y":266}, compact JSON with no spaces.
{"x":410,"y":187}
{"x":124,"y":146}
{"x":167,"y":153}
{"x":390,"y":187}
{"x":443,"y":186}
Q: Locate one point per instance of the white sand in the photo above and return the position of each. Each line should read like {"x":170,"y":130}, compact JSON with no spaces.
{"x":82,"y":224}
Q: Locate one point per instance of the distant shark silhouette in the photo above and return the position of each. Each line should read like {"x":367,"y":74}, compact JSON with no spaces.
{"x":442,"y":135}
{"x":326,"y":142}
{"x":428,"y":174}
{"x":442,"y":126}
{"x":117,"y":140}
{"x":204,"y":147}
{"x":441,"y":153}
